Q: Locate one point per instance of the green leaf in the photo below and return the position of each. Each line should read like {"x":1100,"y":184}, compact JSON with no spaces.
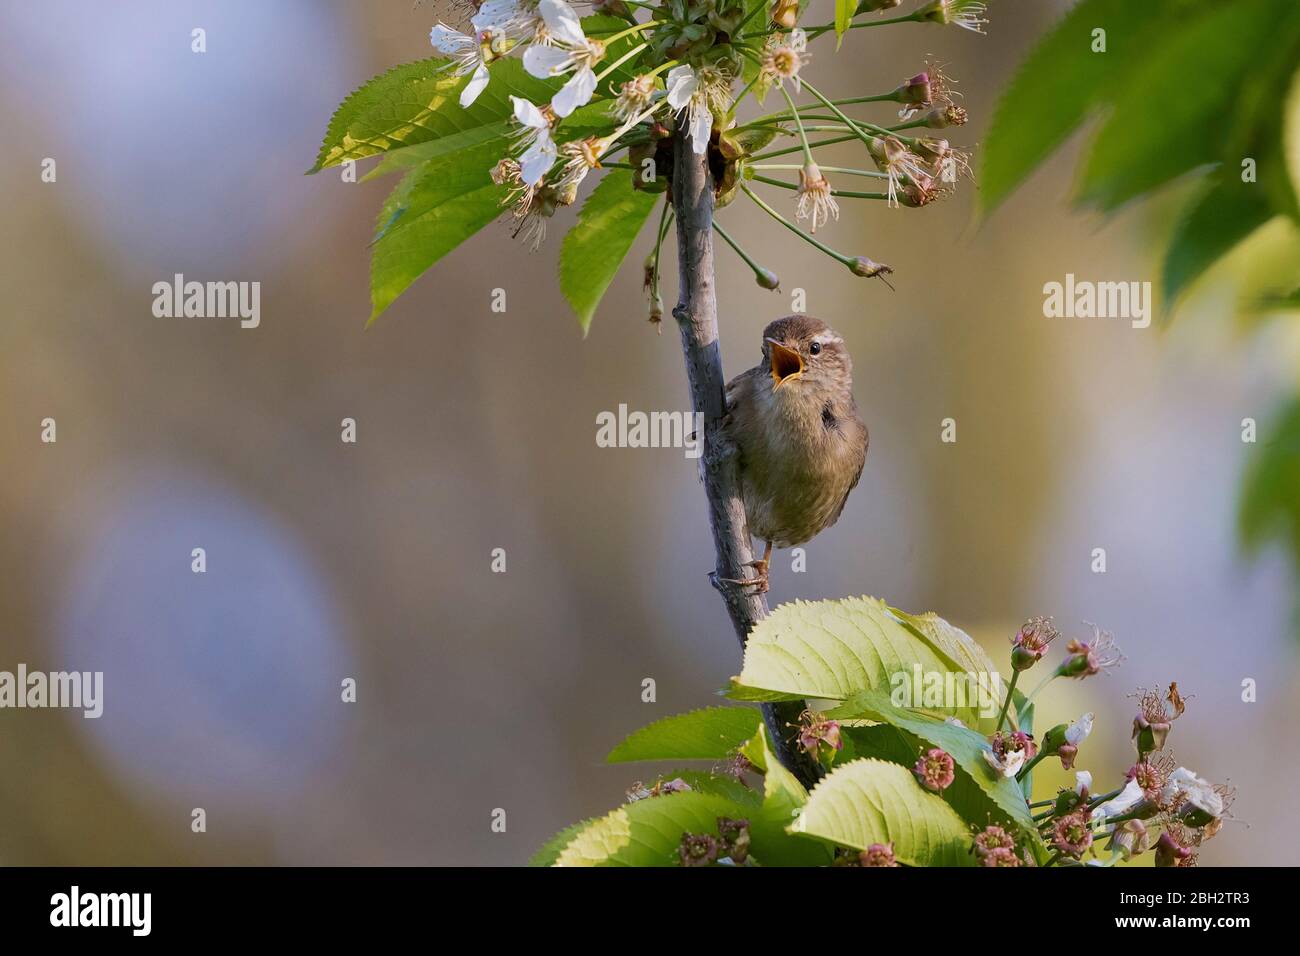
{"x":1291,"y":134}
{"x":783,"y":799}
{"x":1193,"y":77}
{"x":872,"y":801}
{"x":993,"y":796}
{"x":434,"y":209}
{"x":833,"y":649}
{"x":550,"y":850}
{"x":648,"y":832}
{"x":418,"y":102}
{"x":1270,"y":499}
{"x":1062,"y":81}
{"x":844,"y":11}
{"x":1224,"y":215}
{"x":595,"y":247}
{"x":410,"y":157}
{"x":709,"y":734}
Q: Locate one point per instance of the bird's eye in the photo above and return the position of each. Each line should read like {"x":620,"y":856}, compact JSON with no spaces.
{"x":815,"y":348}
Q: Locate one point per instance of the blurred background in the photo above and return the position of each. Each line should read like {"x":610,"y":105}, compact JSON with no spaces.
{"x":476,"y":430}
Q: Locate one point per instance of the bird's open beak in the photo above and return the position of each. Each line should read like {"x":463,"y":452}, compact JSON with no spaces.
{"x":786,"y":364}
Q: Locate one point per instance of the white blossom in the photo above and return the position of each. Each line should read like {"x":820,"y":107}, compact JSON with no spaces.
{"x":569,"y":51}
{"x":688,"y":93}
{"x":539,"y":152}
{"x":1192,"y":789}
{"x":1006,"y":766}
{"x":1078,"y":731}
{"x":468,"y":53}
{"x":1127,"y":799}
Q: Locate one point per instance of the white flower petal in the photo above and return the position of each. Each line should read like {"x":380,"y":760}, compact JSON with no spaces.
{"x":1199,"y":793}
{"x":681,"y":83}
{"x":494,"y":13}
{"x":1082,"y":781}
{"x":1128,"y":798}
{"x":562,"y":22}
{"x":701,"y":128}
{"x":526,"y":114}
{"x":577,"y":92}
{"x":1078,"y":731}
{"x":1014,"y":761}
{"x":544,"y":62}
{"x":475,"y":86}
{"x":446,"y":40}
{"x":537,"y":161}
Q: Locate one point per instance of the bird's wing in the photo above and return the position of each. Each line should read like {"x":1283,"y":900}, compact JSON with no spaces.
{"x":862,"y":461}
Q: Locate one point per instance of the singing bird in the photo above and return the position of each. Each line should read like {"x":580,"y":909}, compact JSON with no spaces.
{"x":800,"y":440}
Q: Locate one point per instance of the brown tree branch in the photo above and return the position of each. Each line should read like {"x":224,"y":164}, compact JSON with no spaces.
{"x":697,"y":318}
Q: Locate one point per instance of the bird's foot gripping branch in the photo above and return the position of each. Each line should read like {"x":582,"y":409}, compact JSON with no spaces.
{"x":928,"y":757}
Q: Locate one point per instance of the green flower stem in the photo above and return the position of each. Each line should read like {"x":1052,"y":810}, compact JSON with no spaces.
{"x":815,"y":32}
{"x":607,"y":165}
{"x":665,"y":220}
{"x":826,"y":169}
{"x":637,"y":28}
{"x":664,"y":66}
{"x":1028,"y":768}
{"x":840,"y":193}
{"x":803,"y":136}
{"x":743,"y":93}
{"x":858,"y":127}
{"x":1099,"y":800}
{"x":794,"y":149}
{"x":1041,"y":803}
{"x":821,"y":246}
{"x":877,"y":98}
{"x":1037,"y":690}
{"x":757,"y":269}
{"x":620,"y":61}
{"x":1011,"y":689}
{"x":1131,"y":815}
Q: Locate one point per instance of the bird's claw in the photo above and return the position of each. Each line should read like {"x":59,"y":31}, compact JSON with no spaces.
{"x":760,"y":582}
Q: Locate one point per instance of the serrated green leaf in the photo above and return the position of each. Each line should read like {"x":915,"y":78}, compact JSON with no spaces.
{"x":410,"y":157}
{"x":550,"y":850}
{"x":871,"y":801}
{"x":709,"y":734}
{"x":648,"y":832}
{"x":595,"y":247}
{"x":1221,"y":217}
{"x":1194,"y":77}
{"x":1062,"y":81}
{"x":996,"y":797}
{"x":419,"y":102}
{"x":833,"y":649}
{"x":434,"y":209}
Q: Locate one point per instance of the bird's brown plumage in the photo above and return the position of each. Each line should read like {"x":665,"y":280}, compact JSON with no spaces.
{"x":802,"y":445}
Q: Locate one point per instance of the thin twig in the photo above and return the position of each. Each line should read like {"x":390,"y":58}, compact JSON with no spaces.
{"x":697,"y":319}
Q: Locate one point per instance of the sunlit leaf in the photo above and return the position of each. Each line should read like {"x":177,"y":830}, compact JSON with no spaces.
{"x":871,"y":801}
{"x":595,"y":247}
{"x":709,"y":734}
